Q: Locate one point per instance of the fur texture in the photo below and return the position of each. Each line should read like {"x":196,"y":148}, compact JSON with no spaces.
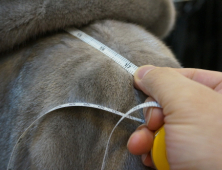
{"x":24,"y":19}
{"x":58,"y":68}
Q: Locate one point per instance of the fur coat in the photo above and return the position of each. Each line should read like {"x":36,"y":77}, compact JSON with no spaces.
{"x":42,"y":66}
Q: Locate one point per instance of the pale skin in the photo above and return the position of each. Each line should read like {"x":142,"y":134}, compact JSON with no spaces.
{"x":191,"y":113}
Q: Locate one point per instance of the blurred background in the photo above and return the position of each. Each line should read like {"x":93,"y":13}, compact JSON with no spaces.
{"x":197,"y":37}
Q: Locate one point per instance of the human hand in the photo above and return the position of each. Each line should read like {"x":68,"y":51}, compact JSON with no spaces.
{"x":192,"y":116}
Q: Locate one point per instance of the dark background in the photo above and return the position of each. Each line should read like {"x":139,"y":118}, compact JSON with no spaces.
{"x":197,"y":37}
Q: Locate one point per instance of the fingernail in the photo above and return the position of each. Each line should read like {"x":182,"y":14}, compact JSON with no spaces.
{"x":142,"y":71}
{"x":144,"y":112}
{"x":134,"y":133}
{"x":144,"y":157}
{"x":130,"y":139}
{"x":149,"y":99}
{"x":147,"y":119}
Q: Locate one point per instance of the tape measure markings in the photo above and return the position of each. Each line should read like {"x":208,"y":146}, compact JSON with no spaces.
{"x":97,"y":107}
{"x":126,"y":64}
{"x":148,"y":104}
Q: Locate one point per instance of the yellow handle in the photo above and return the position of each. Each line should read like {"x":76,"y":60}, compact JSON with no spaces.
{"x":159,"y":151}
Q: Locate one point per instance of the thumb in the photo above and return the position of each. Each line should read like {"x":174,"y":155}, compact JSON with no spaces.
{"x":168,"y":86}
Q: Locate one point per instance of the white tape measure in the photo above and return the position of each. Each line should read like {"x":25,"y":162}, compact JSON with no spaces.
{"x":126,"y":64}
{"x":127,"y":115}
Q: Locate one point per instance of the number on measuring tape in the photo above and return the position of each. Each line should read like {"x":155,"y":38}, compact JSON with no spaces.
{"x":126,"y":64}
{"x":149,"y":104}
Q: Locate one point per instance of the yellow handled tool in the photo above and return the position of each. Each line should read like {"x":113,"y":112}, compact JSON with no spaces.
{"x":158,"y":151}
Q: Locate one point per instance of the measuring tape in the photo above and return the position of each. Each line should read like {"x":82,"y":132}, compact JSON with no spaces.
{"x":127,"y":115}
{"x":119,"y":59}
{"x":126,"y":64}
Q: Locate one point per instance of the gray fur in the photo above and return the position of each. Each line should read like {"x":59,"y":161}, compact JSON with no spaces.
{"x":21,"y":20}
{"x":59,"y":68}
